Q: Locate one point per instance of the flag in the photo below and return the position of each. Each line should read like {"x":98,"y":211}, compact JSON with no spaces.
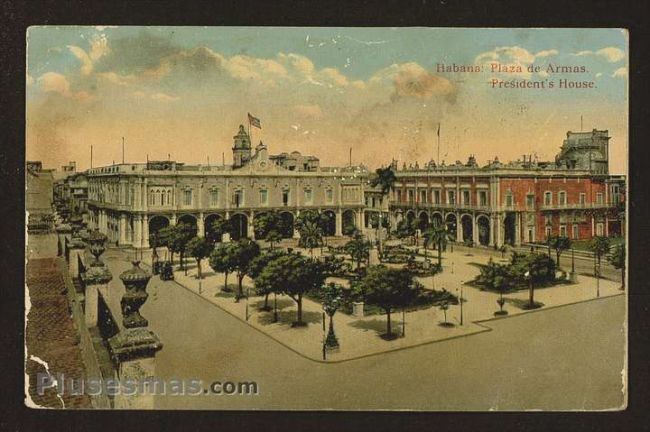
{"x":254,"y":121}
{"x":438,"y":130}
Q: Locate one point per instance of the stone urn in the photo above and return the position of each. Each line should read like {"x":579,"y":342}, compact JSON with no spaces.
{"x":135,"y":281}
{"x":96,"y":241}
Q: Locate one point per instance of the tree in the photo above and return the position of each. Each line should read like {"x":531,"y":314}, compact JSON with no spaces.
{"x":600,"y":246}
{"x":617,"y":259}
{"x":389,"y":288}
{"x":540,"y":269}
{"x":184,"y":232}
{"x":167,"y":237}
{"x":407,"y":228}
{"x":385,"y":178}
{"x":439,"y":235}
{"x":559,"y":244}
{"x":255,"y":269}
{"x":331,"y":294}
{"x":269,"y":226}
{"x":199,"y":248}
{"x":310,"y":226}
{"x":243,"y":252}
{"x":358,"y":248}
{"x":221,"y":261}
{"x":293,"y":275}
{"x":218,"y":227}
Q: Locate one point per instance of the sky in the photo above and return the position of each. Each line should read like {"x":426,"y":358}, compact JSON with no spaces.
{"x":184,"y":91}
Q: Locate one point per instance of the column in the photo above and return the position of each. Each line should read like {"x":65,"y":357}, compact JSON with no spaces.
{"x":359,"y":215}
{"x":137,"y":231}
{"x":517,"y":229}
{"x":606,"y":226}
{"x":200,"y":224}
{"x":134,"y":348}
{"x":475,"y":230}
{"x":76,"y":248}
{"x":145,"y":231}
{"x":339,"y":223}
{"x":95,"y":279}
{"x":123,"y":240}
{"x":459,"y":228}
{"x":251,"y":228}
{"x":492,"y":226}
{"x":172,"y":219}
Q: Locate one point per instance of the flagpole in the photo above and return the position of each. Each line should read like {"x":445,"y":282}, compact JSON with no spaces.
{"x":438,"y":144}
{"x":250,"y":137}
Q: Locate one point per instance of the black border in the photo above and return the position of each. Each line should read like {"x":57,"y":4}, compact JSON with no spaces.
{"x":18,"y":15}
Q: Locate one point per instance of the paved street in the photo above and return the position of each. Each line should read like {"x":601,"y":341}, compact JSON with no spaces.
{"x":565,"y":358}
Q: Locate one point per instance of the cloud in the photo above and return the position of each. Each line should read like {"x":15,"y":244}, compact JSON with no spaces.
{"x":611,"y":54}
{"x":620,"y":73}
{"x":54,"y":82}
{"x":98,"y":49}
{"x":546,"y":53}
{"x":163,"y":97}
{"x":412,"y":80}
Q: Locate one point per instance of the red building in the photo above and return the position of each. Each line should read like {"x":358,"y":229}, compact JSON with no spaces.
{"x":519,"y":202}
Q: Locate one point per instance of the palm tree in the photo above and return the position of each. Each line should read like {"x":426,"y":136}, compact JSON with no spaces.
{"x":599,"y":245}
{"x":384,"y":178}
{"x":440,"y":236}
{"x":311,"y":236}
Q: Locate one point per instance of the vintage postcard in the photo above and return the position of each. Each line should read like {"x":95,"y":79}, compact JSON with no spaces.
{"x":267,"y":218}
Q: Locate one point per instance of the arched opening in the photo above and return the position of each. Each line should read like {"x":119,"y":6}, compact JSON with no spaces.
{"x":156,"y":223}
{"x":452,"y":224}
{"x":329,"y":224}
{"x":436,"y":219}
{"x":213,"y":228}
{"x":468,"y":229}
{"x":410,"y":216}
{"x":349,"y":222}
{"x":238,"y":226}
{"x":190,"y":220}
{"x":423,"y":222}
{"x":287,"y":224}
{"x":483,"y":230}
{"x":509,"y":228}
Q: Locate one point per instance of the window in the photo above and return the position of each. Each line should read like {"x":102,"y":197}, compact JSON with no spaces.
{"x":264,"y":197}
{"x":423,"y":196}
{"x":600,"y":229}
{"x":466,"y":200}
{"x":548,"y":232}
{"x":308,"y":196}
{"x":436,"y":197}
{"x":547,"y":220}
{"x":187,"y":197}
{"x":583,"y":198}
{"x":509,"y":200}
{"x":238,"y":198}
{"x":563,"y":230}
{"x":548,"y":198}
{"x":399,"y":196}
{"x":575,"y":232}
{"x":285,"y":197}
{"x":530,"y":201}
{"x":214,"y":197}
{"x":451,"y":197}
{"x":482,"y":198}
{"x":599,"y":198}
{"x":411,"y":195}
{"x":561,"y":198}
{"x":329,"y":196}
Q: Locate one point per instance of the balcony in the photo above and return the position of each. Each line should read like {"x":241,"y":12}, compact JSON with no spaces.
{"x":583,"y":206}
